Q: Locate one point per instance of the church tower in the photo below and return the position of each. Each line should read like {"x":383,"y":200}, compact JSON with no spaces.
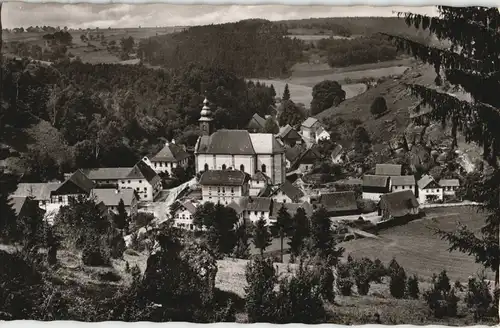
{"x":206,"y":124}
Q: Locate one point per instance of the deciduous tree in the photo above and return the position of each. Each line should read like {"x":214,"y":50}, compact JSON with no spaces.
{"x":261,"y":236}
{"x":325,"y":95}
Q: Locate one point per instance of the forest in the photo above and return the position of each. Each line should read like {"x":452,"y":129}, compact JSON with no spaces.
{"x":112,"y":115}
{"x":250,"y":48}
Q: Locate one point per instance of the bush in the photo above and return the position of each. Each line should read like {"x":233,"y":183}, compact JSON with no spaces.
{"x":93,"y":255}
{"x":397,"y":284}
{"x":478,"y":298}
{"x":441,"y":298}
{"x":379,"y":271}
{"x":379,"y":106}
{"x":345,"y":282}
{"x":412,"y":289}
{"x":363,"y":274}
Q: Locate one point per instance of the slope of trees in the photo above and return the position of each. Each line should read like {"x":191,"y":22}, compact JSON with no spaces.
{"x":250,"y":48}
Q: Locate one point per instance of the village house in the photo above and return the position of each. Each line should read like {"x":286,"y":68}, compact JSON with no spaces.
{"x":258,"y":183}
{"x":388,"y":169}
{"x":307,"y":160}
{"x":170,"y":157}
{"x":25,"y":207}
{"x":429,"y":190}
{"x":182,"y":214}
{"x":292,"y":154}
{"x":309,"y":129}
{"x":107,"y":177}
{"x":291,"y":208}
{"x":403,"y":182}
{"x":450,"y":186}
{"x":322,"y":134}
{"x":289,"y":136}
{"x":255,"y":208}
{"x":256,"y":124}
{"x":287,"y":193}
{"x":144,"y":180}
{"x":341,"y":203}
{"x":75,"y":186}
{"x":337,"y":156}
{"x":39,"y":192}
{"x":223,"y":186}
{"x":398,"y":204}
{"x":111,"y":198}
{"x":375,"y":186}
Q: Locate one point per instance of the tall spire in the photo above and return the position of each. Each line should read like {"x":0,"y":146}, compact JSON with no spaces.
{"x":206,"y":118}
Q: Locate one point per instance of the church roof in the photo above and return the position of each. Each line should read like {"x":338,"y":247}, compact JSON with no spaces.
{"x":239,"y":142}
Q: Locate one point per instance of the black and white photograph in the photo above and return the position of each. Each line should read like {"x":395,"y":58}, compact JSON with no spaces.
{"x":249,"y":163}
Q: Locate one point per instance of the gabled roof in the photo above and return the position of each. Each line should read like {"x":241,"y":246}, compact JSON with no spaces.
{"x":388,"y":169}
{"x":257,"y":121}
{"x":425,"y":181}
{"x":17,"y":204}
{"x":223,"y":178}
{"x":399,"y":203}
{"x":235,"y":142}
{"x":111,"y":197}
{"x":379,"y":181}
{"x":293,"y":153}
{"x":289,"y":190}
{"x":288,"y":132}
{"x":403,"y":180}
{"x":141,"y":170}
{"x":77,"y":180}
{"x":339,"y":201}
{"x":259,"y":176}
{"x":310,"y":122}
{"x":265,"y":143}
{"x":189,"y":206}
{"x":107,"y":173}
{"x":256,"y":203}
{"x":291,"y":208}
{"x":170,"y":153}
{"x":449,"y":183}
{"x":39,"y":191}
{"x":265,"y":192}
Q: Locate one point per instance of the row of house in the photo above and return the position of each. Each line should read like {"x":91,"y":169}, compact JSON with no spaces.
{"x":388,"y":178}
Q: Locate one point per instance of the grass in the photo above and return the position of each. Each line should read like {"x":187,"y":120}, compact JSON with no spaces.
{"x":418,"y":250}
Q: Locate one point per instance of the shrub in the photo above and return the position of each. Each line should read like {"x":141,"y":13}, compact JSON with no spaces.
{"x":379,"y":106}
{"x":345,"y":282}
{"x":379,"y":271}
{"x":412,"y":289}
{"x":327,"y":283}
{"x":441,"y":298}
{"x":478,"y":298}
{"x":363,"y":275}
{"x":93,"y":255}
{"x":397,"y":284}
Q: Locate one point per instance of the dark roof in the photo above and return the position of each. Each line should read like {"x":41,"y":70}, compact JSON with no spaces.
{"x":78,"y":180}
{"x":170,"y":153}
{"x":288,"y":132}
{"x":111,"y":197}
{"x":236,"y":142}
{"x":403,"y":180}
{"x":425,"y":181}
{"x":291,"y":208}
{"x":141,"y":170}
{"x":266,"y":191}
{"x":388,"y":169}
{"x":17,"y":204}
{"x":256,"y":203}
{"x":259,"y":176}
{"x":290,"y":190}
{"x":449,"y":183}
{"x":293,"y":153}
{"x":310,"y":122}
{"x":189,"y":206}
{"x":375,"y":181}
{"x":223,"y":178}
{"x":39,"y":191}
{"x":107,"y":173}
{"x":310,"y":156}
{"x":399,"y":203}
{"x":256,"y":122}
{"x":339,"y":201}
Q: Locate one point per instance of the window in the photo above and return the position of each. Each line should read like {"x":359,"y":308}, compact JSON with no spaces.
{"x":263,"y":168}
{"x":123,"y":181}
{"x":223,"y":166}
{"x":145,"y":189}
{"x":218,"y":190}
{"x":206,"y":167}
{"x":232,"y":190}
{"x":262,"y":213}
{"x":395,"y":187}
{"x":128,"y":181}
{"x":242,"y":167}
{"x":60,"y":199}
{"x":255,"y":212}
{"x":140,"y":181}
{"x":223,"y":190}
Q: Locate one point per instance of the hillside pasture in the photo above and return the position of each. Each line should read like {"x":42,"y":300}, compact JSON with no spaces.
{"x":418,"y":250}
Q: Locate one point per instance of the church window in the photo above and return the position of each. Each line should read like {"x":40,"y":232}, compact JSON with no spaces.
{"x":232,"y":190}
{"x":263,"y":168}
{"x":206,"y":167}
{"x":223,"y":166}
{"x":242,"y":167}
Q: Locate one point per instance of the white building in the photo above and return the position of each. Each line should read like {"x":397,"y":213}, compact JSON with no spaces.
{"x":258,"y":183}
{"x":309,"y":129}
{"x":403,"y":182}
{"x":255,"y":208}
{"x":238,"y":150}
{"x":287,"y":193}
{"x":429,"y":190}
{"x":223,"y":186}
{"x":170,"y":157}
{"x":76,"y":185}
{"x":450,"y":186}
{"x":182,"y":214}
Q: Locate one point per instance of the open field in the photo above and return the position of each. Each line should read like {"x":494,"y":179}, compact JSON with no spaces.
{"x":418,"y":250}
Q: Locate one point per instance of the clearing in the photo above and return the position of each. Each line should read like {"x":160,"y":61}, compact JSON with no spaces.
{"x":418,"y":250}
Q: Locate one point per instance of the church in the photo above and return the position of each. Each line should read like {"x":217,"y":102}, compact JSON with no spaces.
{"x":238,"y":150}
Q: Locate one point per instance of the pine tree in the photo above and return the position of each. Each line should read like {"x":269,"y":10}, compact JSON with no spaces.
{"x":299,"y":232}
{"x":262,"y":236}
{"x":286,"y":93}
{"x":471,"y":63}
{"x":379,"y":106}
{"x":283,"y":225}
{"x":323,"y":237}
{"x":121,"y":219}
{"x":7,"y":213}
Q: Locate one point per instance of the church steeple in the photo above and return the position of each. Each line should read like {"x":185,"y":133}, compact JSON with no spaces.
{"x":206,"y":119}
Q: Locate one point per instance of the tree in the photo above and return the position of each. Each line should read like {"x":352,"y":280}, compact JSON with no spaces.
{"x":271,"y":126}
{"x":7,"y":213}
{"x":289,"y":113}
{"x":397,"y":283}
{"x":127,"y":44}
{"x":378,"y":106}
{"x":282,"y":226}
{"x":286,"y":93}
{"x":262,"y":237}
{"x":243,"y":234}
{"x":471,"y":64}
{"x":323,"y":237}
{"x":121,"y":218}
{"x":299,"y":232}
{"x":325,"y":95}
{"x":260,"y":300}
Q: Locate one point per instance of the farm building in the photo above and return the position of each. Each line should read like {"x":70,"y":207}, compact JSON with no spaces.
{"x":403,"y":182}
{"x":388,"y":169}
{"x":450,"y":186}
{"x":306,"y":160}
{"x":429,"y":190}
{"x":111,"y":198}
{"x":170,"y":157}
{"x":25,"y":207}
{"x":256,"y":124}
{"x":289,"y":136}
{"x":287,"y":193}
{"x":76,"y":185}
{"x":107,"y":177}
{"x":340,"y":203}
{"x":255,"y":208}
{"x":292,"y":154}
{"x":398,"y":204}
{"x":39,"y":192}
{"x":375,"y":186}
{"x":224,"y":186}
